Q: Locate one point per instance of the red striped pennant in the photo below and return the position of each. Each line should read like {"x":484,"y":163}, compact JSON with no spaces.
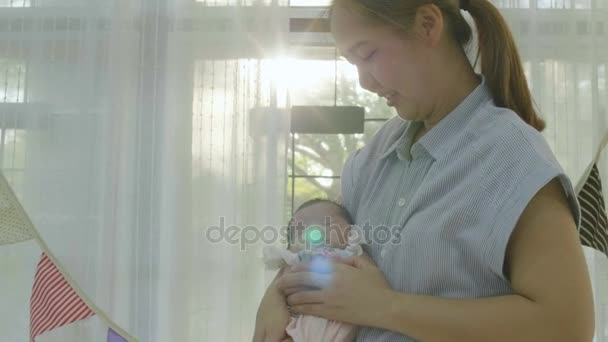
{"x":54,"y":303}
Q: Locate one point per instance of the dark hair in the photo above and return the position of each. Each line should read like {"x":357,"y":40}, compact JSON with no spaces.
{"x":500,"y":61}
{"x":342,"y":211}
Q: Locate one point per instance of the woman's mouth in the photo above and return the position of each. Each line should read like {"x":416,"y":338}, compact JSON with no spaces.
{"x":391,"y":99}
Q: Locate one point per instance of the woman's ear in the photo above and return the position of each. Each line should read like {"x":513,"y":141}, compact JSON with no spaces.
{"x":429,"y":24}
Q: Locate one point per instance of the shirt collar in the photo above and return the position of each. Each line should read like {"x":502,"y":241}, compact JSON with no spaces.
{"x":444,"y":133}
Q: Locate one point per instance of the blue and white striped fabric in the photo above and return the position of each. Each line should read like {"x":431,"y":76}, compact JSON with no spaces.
{"x":451,"y":204}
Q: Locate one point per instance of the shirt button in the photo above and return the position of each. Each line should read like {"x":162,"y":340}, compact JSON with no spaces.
{"x":401,"y":202}
{"x":383,"y":253}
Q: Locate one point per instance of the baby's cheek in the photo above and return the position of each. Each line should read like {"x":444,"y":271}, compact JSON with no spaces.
{"x":295,"y":248}
{"x":336,"y":239}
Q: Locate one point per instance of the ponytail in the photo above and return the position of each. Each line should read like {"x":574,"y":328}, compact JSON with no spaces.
{"x":500,"y":62}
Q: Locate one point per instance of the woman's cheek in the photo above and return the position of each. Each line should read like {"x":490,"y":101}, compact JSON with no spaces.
{"x":386,"y":72}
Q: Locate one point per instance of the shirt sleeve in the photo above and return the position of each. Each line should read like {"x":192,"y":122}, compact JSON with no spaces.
{"x":510,"y":212}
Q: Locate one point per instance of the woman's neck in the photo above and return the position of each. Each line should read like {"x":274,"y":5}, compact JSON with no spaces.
{"x":455,"y":90}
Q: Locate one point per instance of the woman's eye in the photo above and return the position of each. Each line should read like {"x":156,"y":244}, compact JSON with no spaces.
{"x":370,"y":56}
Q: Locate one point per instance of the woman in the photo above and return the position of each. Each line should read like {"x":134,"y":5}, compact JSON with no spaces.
{"x":488,"y":249}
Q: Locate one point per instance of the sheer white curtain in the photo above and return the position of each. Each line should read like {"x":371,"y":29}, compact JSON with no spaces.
{"x":129,"y":128}
{"x":126,"y":134}
{"x":563,"y":46}
{"x":90,"y":149}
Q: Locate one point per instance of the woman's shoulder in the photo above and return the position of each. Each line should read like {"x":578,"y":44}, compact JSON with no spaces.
{"x":513,"y":157}
{"x":501,"y":134}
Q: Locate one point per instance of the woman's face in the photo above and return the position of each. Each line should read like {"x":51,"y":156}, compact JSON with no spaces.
{"x":389,"y":65}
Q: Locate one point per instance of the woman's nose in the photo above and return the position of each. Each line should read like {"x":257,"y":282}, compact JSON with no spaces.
{"x":367,"y":81}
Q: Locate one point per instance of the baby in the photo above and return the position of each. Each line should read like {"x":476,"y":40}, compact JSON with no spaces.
{"x":319,"y":228}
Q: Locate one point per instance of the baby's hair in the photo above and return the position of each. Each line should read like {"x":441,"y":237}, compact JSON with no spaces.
{"x":341,"y":211}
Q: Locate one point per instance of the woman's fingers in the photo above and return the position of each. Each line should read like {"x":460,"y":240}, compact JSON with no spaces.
{"x":304,"y":279}
{"x":292,"y":290}
{"x":306,"y":297}
{"x":319,"y":264}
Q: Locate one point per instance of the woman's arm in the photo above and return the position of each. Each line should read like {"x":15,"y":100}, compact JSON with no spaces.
{"x":272,"y":316}
{"x":552,"y":302}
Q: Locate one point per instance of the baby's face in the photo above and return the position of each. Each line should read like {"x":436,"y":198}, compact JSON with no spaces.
{"x":333,"y":225}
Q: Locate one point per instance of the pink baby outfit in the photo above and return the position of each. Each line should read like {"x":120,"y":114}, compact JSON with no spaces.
{"x":305,"y":328}
{"x":311,"y":328}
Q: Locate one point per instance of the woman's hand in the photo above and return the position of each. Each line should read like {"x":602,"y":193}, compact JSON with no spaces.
{"x":347,"y":290}
{"x":272,"y":317}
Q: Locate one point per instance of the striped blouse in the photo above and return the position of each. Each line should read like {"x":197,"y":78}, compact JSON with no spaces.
{"x":438,"y":213}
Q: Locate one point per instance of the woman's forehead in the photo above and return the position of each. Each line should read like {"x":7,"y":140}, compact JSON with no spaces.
{"x":348,"y":28}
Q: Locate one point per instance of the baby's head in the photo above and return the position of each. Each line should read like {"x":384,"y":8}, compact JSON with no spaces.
{"x":319,"y":222}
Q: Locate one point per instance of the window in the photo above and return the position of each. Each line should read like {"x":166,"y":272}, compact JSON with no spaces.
{"x":524,"y":27}
{"x":12,"y":138}
{"x":512,"y":3}
{"x":564,"y":4}
{"x":315,"y":161}
{"x":12,"y":156}
{"x":15,"y":3}
{"x":553,"y":3}
{"x":582,"y":27}
{"x":599,"y":28}
{"x":12,"y":81}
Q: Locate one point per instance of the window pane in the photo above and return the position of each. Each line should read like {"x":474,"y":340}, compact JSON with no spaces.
{"x":322,"y":155}
{"x":554,"y":3}
{"x":12,"y":81}
{"x":12,"y":157}
{"x":309,"y":82}
{"x":583,"y":4}
{"x":325,"y":82}
{"x":13,"y":149}
{"x":14,"y":3}
{"x":513,"y":3}
{"x":15,"y":180}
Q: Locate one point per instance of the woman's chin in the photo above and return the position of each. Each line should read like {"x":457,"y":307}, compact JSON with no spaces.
{"x":408,"y":113}
{"x":405,"y":114}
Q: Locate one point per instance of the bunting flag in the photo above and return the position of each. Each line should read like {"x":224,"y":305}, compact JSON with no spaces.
{"x":594,"y":222}
{"x":113,"y":336}
{"x":56,"y":302}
